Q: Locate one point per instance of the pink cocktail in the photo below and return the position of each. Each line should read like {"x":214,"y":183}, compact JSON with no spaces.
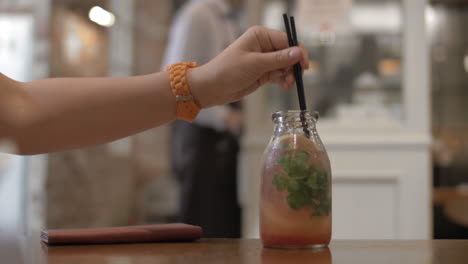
{"x":295,"y":207}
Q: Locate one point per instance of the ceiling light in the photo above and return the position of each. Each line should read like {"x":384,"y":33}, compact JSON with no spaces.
{"x":101,"y":16}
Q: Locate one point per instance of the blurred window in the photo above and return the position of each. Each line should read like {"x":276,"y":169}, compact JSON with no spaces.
{"x":355,"y":48}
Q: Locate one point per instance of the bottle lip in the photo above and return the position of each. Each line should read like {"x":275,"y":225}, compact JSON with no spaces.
{"x":295,"y":116}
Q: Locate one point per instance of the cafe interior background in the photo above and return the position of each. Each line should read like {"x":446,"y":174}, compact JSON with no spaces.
{"x":389,"y":78}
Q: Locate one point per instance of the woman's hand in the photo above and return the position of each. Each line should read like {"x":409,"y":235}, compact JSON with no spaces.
{"x":259,"y":56}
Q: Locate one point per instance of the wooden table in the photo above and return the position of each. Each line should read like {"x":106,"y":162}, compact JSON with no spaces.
{"x":27,"y":250}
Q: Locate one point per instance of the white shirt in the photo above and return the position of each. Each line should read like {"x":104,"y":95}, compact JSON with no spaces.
{"x":201,"y":30}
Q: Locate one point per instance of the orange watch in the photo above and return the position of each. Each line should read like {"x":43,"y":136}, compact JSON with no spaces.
{"x":187,"y":108}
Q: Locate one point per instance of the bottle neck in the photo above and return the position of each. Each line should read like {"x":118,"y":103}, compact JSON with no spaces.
{"x":306,"y":128}
{"x":295,"y":122}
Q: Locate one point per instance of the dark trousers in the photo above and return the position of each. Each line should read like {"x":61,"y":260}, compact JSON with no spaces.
{"x":204,"y":162}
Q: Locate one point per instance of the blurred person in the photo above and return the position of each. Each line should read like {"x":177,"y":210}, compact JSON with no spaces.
{"x":204,"y":153}
{"x":66,"y":113}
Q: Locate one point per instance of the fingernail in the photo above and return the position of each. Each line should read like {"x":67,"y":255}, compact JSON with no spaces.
{"x":295,"y":53}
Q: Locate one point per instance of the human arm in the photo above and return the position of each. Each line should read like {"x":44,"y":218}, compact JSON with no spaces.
{"x":65,"y":113}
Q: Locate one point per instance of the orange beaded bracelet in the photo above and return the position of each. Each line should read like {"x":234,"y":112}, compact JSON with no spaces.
{"x":187,"y":109}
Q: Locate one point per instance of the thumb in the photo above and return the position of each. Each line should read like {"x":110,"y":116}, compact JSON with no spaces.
{"x":281,"y":59}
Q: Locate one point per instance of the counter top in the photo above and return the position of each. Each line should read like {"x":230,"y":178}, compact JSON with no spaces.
{"x":26,"y":250}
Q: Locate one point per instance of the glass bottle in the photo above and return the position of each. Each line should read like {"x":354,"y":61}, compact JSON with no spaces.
{"x":295,"y":203}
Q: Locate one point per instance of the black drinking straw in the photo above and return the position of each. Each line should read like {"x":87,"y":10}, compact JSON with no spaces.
{"x":292,"y":39}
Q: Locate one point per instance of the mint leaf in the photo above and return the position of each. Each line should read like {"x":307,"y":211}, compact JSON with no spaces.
{"x":312,"y":182}
{"x":301,"y":157}
{"x":317,"y":212}
{"x":326,"y":205}
{"x":280,"y":181}
{"x":293,"y":185}
{"x":321,"y":178}
{"x":297,"y":169}
{"x":284,"y":163}
{"x":306,"y":184}
{"x":299,"y":198}
{"x":316,"y":202}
